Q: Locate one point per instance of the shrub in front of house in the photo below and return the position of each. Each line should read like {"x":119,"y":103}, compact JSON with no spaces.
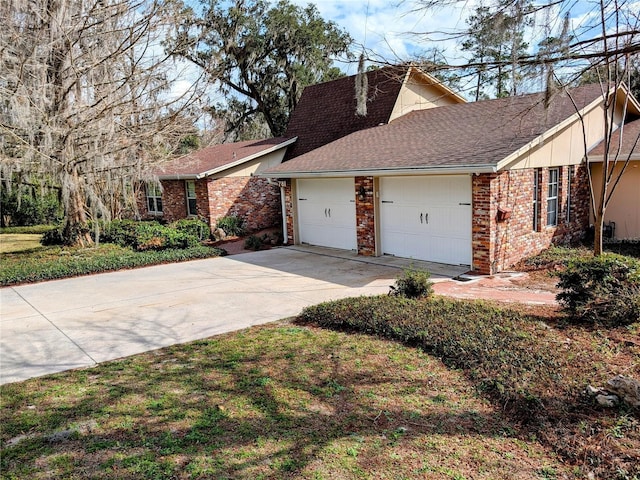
{"x":497,"y":347}
{"x":193,"y":226}
{"x":603,"y":289}
{"x":148,"y":235}
{"x":232,"y":225}
{"x":413,"y":283}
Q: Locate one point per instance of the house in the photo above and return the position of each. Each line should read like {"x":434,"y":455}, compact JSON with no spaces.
{"x":218,"y":181}
{"x":622,"y":216}
{"x":224,"y":179}
{"x":482,"y":184}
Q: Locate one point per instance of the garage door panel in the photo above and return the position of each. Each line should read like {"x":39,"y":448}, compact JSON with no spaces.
{"x":327,"y":212}
{"x":427,"y":218}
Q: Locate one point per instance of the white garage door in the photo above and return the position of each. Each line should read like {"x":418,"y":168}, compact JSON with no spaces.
{"x":327,"y":212}
{"x":427,"y":218}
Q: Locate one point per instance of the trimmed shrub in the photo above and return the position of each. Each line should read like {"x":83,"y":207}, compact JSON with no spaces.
{"x":603,"y":289}
{"x":148,"y":235}
{"x":74,"y":262}
{"x":495,"y":346}
{"x":52,"y":236}
{"x":232,"y":225}
{"x":412,"y":283}
{"x":253,"y":242}
{"x":193,"y":226}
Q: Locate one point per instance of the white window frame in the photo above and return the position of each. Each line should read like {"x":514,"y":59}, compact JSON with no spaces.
{"x":536,"y":198}
{"x":153,"y":192}
{"x":553,"y":189}
{"x":191,"y":198}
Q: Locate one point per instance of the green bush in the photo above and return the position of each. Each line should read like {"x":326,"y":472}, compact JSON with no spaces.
{"x":413,"y":283}
{"x":61,"y":263}
{"x":254,"y":242}
{"x":53,"y":236}
{"x":149,"y":235}
{"x":495,"y":346}
{"x":603,"y":289}
{"x":232,"y":225}
{"x":193,"y":226}
{"x":29,"y":208}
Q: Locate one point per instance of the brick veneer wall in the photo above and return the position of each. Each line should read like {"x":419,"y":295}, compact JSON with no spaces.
{"x":498,"y":245}
{"x":251,"y":198}
{"x":288,"y":205}
{"x":174,"y":203}
{"x":365,"y":216}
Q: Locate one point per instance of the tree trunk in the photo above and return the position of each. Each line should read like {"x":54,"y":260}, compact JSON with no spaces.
{"x":598,"y":229}
{"x":75,"y":231}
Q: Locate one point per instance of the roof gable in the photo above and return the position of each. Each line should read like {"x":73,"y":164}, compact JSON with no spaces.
{"x":327,"y":111}
{"x":217,"y":158}
{"x":474,"y":136}
{"x":627,"y":147}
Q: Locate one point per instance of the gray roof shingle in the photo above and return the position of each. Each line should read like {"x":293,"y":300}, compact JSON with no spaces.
{"x":462,"y":135}
{"x":216,"y":157}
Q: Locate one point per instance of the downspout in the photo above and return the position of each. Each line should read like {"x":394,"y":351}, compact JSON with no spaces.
{"x":283,"y":202}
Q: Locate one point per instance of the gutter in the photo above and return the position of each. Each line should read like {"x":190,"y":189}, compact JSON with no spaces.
{"x":385,"y":172}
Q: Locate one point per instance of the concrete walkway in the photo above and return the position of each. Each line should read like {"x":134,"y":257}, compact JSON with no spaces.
{"x":59,"y":325}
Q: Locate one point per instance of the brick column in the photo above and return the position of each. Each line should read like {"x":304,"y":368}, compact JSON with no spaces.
{"x":365,"y":216}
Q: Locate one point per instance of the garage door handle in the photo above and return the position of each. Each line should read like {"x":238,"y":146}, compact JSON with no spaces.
{"x":329,"y":213}
{"x":421,"y":218}
{"x":325,"y":212}
{"x":464,"y":204}
{"x":302,"y":199}
{"x":426,"y":218}
{"x":387,"y":201}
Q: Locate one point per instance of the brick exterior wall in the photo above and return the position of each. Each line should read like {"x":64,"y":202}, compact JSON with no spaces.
{"x":498,"y":245}
{"x":365,"y":216}
{"x":251,"y":198}
{"x":288,"y":205}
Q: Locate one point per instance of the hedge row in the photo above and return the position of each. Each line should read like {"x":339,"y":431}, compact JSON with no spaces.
{"x":84,"y":262}
{"x":499,"y":348}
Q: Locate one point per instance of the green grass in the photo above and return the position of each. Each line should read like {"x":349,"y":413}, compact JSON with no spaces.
{"x":293,"y":400}
{"x":47,"y":263}
{"x":19,"y":242}
{"x":280,"y":401}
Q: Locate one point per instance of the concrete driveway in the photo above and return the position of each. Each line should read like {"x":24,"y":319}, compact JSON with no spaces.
{"x":59,"y":325}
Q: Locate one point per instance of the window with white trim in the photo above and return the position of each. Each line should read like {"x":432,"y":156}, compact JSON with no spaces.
{"x":154,"y":198}
{"x":536,"y":197}
{"x":190,"y":187}
{"x":552,"y":197}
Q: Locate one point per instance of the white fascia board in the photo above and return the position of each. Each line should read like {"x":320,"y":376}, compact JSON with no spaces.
{"x":539,"y":140}
{"x":621,"y":158}
{"x":447,"y":170}
{"x":246,"y":159}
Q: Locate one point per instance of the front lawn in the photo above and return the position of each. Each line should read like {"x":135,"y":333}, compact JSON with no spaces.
{"x":296,"y":400}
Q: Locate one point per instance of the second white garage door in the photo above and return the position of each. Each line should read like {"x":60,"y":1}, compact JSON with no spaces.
{"x":327,"y":212}
{"x":427,"y":218}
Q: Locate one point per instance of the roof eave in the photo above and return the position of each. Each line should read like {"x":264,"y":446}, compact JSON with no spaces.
{"x":599,"y":158}
{"x":227,"y":166}
{"x":385,"y":172}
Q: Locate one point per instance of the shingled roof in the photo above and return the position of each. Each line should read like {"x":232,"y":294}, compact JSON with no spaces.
{"x":474,"y":136}
{"x":327,"y":111}
{"x":630,"y":144}
{"x":217,"y":158}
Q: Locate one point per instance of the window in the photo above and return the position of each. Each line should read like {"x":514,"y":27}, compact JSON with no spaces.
{"x":552,"y":197}
{"x":154,"y":198}
{"x":571,"y":174}
{"x":536,"y":202}
{"x":191,"y":197}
